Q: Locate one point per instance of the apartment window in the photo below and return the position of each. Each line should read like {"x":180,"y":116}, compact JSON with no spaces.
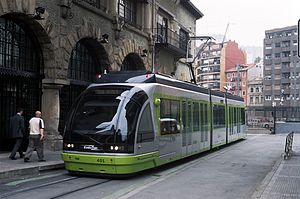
{"x":286,"y":44}
{"x":257,"y":89}
{"x":256,"y":100}
{"x":183,"y":39}
{"x":162,"y":29}
{"x":127,"y":10}
{"x":277,"y":45}
{"x":277,"y":55}
{"x":268,"y":46}
{"x":251,"y":100}
{"x":295,"y":43}
{"x":286,"y":54}
{"x":261,"y":99}
{"x":268,"y":97}
{"x":294,"y":53}
{"x":251,"y":90}
{"x":286,"y":64}
{"x":244,"y":93}
{"x":268,"y":56}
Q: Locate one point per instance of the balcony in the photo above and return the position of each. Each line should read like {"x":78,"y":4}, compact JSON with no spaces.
{"x":171,"y":41}
{"x":98,"y":4}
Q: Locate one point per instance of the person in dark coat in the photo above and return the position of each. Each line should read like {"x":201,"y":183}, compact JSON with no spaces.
{"x":17,"y":129}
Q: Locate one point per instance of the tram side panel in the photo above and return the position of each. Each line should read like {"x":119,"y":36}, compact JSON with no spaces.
{"x":182,"y":121}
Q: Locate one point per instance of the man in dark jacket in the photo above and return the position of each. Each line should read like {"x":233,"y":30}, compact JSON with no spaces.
{"x":17,"y":131}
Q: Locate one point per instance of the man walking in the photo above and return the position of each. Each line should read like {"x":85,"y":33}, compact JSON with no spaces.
{"x":16,"y":126}
{"x":36,"y":136}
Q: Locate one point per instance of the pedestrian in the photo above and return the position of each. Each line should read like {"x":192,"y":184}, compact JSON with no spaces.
{"x":17,"y":130}
{"x":36,"y":137}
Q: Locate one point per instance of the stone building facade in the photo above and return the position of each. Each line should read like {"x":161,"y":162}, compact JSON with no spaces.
{"x":52,"y":50}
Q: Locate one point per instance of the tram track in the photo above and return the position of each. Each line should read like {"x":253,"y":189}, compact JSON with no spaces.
{"x":48,"y":184}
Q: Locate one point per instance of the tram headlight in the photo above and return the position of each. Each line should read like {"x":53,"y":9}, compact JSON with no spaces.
{"x":117,"y":148}
{"x":69,"y":145}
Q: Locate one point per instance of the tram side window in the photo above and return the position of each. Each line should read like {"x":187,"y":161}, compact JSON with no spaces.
{"x":169,"y":117}
{"x":196,"y":112}
{"x":234,"y":116}
{"x":243,"y":116}
{"x":206,"y":127}
{"x":219,"y":116}
{"x":145,"y":129}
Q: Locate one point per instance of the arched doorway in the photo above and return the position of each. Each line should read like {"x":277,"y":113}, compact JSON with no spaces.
{"x":88,"y":60}
{"x":133,"y":61}
{"x":21,"y":70}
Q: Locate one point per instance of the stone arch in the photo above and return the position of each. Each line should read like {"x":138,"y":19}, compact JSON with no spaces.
{"x":43,"y":30}
{"x":133,"y":61}
{"x":86,"y":30}
{"x":127,"y":47}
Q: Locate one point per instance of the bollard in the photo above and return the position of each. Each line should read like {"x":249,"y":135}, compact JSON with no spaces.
{"x":288,"y":146}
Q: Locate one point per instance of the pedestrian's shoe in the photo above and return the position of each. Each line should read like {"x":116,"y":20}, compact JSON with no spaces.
{"x":42,"y":160}
{"x":26,"y":159}
{"x":12,"y":158}
{"x":21,"y":155}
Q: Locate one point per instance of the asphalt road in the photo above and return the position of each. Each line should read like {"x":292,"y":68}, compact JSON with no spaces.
{"x":234,"y":171}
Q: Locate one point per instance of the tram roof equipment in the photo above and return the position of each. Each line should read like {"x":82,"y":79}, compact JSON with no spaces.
{"x":149,"y":77}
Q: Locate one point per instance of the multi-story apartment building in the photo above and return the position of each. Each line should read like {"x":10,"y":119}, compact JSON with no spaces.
{"x":52,"y":50}
{"x":236,"y":81}
{"x":215,"y":60}
{"x":281,"y":68}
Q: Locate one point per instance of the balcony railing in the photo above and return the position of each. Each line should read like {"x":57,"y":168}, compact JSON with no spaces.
{"x":99,"y":4}
{"x":168,"y":36}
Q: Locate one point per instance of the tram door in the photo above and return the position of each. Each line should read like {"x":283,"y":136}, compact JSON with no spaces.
{"x":187,"y":127}
{"x":145,"y":132}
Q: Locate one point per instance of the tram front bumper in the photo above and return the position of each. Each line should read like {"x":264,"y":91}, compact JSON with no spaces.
{"x":101,"y":164}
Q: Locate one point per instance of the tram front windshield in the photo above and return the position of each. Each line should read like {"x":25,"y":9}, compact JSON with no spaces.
{"x":100,"y":124}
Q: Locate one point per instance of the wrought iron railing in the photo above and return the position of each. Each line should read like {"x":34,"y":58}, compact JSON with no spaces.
{"x":99,"y":4}
{"x":168,"y":36}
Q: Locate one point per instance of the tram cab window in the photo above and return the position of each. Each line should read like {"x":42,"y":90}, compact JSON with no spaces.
{"x":145,"y":130}
{"x":169,"y":117}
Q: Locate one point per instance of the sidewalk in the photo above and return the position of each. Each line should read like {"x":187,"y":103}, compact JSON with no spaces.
{"x":13,"y":168}
{"x":284,"y":179}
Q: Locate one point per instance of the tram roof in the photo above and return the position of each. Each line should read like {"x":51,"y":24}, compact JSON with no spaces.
{"x":149,"y":77}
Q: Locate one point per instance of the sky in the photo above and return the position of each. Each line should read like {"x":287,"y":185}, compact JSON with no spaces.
{"x":248,"y":19}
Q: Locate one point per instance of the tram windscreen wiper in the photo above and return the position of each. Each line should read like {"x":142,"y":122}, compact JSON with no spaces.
{"x":86,"y":135}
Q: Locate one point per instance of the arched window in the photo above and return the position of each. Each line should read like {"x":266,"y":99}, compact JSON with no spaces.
{"x":88,"y":59}
{"x":20,"y":74}
{"x":132,"y":62}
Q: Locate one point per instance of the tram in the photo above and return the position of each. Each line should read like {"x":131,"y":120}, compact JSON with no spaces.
{"x":130,"y":122}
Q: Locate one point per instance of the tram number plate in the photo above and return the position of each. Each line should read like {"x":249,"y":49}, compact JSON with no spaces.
{"x":100,"y":160}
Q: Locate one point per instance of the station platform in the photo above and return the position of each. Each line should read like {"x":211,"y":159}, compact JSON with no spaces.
{"x":15,"y":168}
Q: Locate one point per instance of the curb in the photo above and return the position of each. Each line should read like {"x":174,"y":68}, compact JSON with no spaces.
{"x":30,"y":170}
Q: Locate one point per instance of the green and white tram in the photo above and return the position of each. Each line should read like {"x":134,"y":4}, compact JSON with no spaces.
{"x":127,"y":123}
